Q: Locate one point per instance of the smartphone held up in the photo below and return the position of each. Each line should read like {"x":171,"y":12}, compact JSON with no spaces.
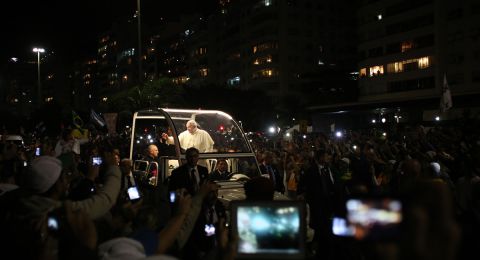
{"x":370,"y":218}
{"x":133,"y":194}
{"x":97,"y":161}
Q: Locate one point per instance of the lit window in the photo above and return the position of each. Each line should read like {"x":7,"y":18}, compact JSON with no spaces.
{"x":262,"y":60}
{"x":405,"y":46}
{"x":203,"y":72}
{"x":375,"y":70}
{"x":363,"y":72}
{"x":407,"y":65}
{"x":423,"y":62}
{"x":265,"y":73}
{"x":201,"y":51}
{"x":181,"y":80}
{"x":395,"y":67}
{"x":264,"y":46}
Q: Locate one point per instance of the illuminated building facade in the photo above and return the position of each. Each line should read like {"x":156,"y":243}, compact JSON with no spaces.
{"x":282,"y":47}
{"x":406,"y":48}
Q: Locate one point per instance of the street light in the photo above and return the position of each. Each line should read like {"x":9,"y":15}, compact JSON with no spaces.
{"x":39,"y":83}
{"x":139,"y":32}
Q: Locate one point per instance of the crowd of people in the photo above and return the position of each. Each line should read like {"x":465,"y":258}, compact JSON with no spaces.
{"x":59,"y":204}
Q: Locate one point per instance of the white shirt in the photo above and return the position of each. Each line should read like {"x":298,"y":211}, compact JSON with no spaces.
{"x":330,"y":175}
{"x":197,"y":175}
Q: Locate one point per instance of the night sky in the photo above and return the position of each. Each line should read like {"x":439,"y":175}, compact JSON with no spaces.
{"x":70,"y":27}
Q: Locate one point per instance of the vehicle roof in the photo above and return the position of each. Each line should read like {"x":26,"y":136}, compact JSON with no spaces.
{"x":161,"y":111}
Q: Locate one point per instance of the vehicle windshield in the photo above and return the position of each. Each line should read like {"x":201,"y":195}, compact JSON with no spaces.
{"x":223,"y":130}
{"x":148,"y":131}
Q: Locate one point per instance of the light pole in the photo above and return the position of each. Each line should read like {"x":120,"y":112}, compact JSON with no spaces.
{"x":139,"y":31}
{"x":39,"y":83}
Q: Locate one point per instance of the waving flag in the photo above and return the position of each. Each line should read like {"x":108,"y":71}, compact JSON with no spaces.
{"x":446,"y":99}
{"x":98,"y":119}
{"x":77,"y":120}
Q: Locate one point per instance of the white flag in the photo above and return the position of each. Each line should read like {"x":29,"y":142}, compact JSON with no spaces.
{"x":97,"y":118}
{"x":446,"y":99}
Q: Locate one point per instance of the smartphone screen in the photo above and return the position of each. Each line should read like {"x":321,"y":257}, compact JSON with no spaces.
{"x":209,"y":230}
{"x":341,"y":227}
{"x":133,"y":193}
{"x":173,"y":197}
{"x":96,"y":160}
{"x":52,"y":223}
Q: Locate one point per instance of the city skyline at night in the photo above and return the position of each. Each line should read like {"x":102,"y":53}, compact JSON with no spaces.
{"x":381,"y":56}
{"x":72,"y":28}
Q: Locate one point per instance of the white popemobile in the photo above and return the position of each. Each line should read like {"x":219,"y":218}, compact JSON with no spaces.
{"x":229,"y":142}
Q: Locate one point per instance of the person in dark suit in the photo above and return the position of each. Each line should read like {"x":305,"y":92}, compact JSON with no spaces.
{"x":190,"y":175}
{"x":268,"y":168}
{"x":221,"y":172}
{"x":316,"y":186}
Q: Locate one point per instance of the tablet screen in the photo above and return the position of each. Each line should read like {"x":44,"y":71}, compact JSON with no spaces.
{"x":269,"y":229}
